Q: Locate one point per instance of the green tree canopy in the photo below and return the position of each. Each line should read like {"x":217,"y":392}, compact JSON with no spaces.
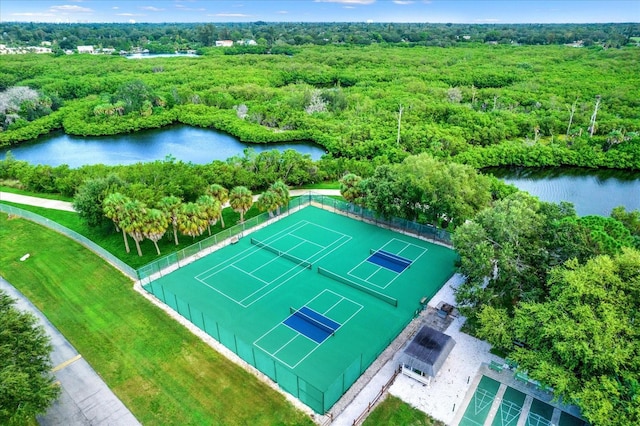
{"x":27,"y":387}
{"x":584,"y":341}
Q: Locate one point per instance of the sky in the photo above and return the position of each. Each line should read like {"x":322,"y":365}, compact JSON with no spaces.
{"x":427,"y":11}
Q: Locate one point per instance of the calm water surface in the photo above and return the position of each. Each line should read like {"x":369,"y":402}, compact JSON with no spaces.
{"x":592,"y":192}
{"x":189,"y":144}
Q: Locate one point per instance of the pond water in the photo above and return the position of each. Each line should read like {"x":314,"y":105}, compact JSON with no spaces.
{"x":189,"y":144}
{"x":592,"y":192}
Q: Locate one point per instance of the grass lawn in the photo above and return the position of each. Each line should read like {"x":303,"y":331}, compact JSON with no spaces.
{"x":393,"y":411}
{"x":163,"y":373}
{"x":112,"y":241}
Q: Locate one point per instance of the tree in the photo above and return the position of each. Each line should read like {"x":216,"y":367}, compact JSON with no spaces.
{"x":27,"y":387}
{"x":241,"y":200}
{"x":583,"y":340}
{"x":155,"y":226}
{"x":282,"y":191}
{"x":504,"y":253}
{"x":133,"y":223}
{"x":171,"y":206}
{"x":268,"y":201}
{"x":221,"y":194}
{"x":90,"y":195}
{"x":351,"y":188}
{"x":210,"y":208}
{"x":191,"y":220}
{"x":113,"y":207}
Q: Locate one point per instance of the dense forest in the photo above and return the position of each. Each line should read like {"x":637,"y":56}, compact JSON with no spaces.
{"x":406,"y":125}
{"x":171,"y":37}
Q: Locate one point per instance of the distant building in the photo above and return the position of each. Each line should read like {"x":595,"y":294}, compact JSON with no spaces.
{"x":108,"y":51}
{"x":45,"y":43}
{"x":85,"y":49}
{"x":224,"y":43}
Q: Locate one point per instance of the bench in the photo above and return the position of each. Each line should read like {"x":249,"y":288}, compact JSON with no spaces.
{"x":496,"y":366}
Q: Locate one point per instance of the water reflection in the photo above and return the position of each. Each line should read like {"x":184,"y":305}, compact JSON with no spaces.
{"x":592,"y":192}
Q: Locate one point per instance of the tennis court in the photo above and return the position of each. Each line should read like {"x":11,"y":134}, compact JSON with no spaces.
{"x":310,"y":300}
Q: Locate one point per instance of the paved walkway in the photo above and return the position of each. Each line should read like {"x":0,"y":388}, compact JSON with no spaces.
{"x":85,"y":398}
{"x":35,"y":201}
{"x":66,"y":206}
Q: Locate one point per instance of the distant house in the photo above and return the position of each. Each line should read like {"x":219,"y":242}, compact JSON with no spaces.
{"x":108,"y":51}
{"x":247,"y":42}
{"x":45,"y":43}
{"x":85,"y":49}
{"x":224,"y":43}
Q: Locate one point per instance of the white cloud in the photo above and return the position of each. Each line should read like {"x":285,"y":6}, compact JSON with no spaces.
{"x":115,"y":8}
{"x":70,"y":8}
{"x":152,"y":9}
{"x":403,"y":2}
{"x":129,"y":14}
{"x":32,"y":14}
{"x":282,"y":12}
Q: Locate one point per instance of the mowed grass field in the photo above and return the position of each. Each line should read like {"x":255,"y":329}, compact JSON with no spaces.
{"x":163,"y":373}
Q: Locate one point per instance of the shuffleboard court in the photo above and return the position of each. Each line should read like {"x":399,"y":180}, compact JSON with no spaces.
{"x":478,"y":409}
{"x":314,"y":333}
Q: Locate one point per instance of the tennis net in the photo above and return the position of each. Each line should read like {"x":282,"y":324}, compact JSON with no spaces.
{"x":298,"y":313}
{"x":393,"y":258}
{"x":283,"y":254}
{"x":339,"y":278}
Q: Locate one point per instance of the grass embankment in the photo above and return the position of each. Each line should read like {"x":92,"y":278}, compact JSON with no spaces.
{"x":162,"y":372}
{"x":112,"y":241}
{"x":393,"y":411}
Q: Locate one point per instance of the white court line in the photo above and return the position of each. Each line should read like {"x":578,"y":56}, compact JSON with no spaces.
{"x":407,"y":244}
{"x":307,"y":241}
{"x":301,"y":270}
{"x":251,"y":249}
{"x":340,"y":299}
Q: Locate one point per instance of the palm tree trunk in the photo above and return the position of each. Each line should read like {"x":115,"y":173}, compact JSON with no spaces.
{"x":222,"y":219}
{"x":241,"y":215}
{"x":138,"y":247}
{"x":156,"y":244}
{"x":126,"y":242}
{"x":175,"y":235}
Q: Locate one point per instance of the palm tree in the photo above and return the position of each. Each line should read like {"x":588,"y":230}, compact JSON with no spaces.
{"x":191,"y":220}
{"x":350,"y":188}
{"x":269,"y":201}
{"x":241,"y":200}
{"x":113,"y":207}
{"x":282,"y":190}
{"x":211,"y":209}
{"x":171,"y":207}
{"x":155,"y":226}
{"x":221,"y":194}
{"x":134,"y":221}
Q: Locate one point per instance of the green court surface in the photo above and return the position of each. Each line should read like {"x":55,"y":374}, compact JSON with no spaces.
{"x":510,"y":408}
{"x":540,"y":414}
{"x":243,"y":293}
{"x":569,"y":420}
{"x":478,"y":409}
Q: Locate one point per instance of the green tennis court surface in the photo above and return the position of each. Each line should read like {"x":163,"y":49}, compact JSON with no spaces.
{"x":312,"y":333}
